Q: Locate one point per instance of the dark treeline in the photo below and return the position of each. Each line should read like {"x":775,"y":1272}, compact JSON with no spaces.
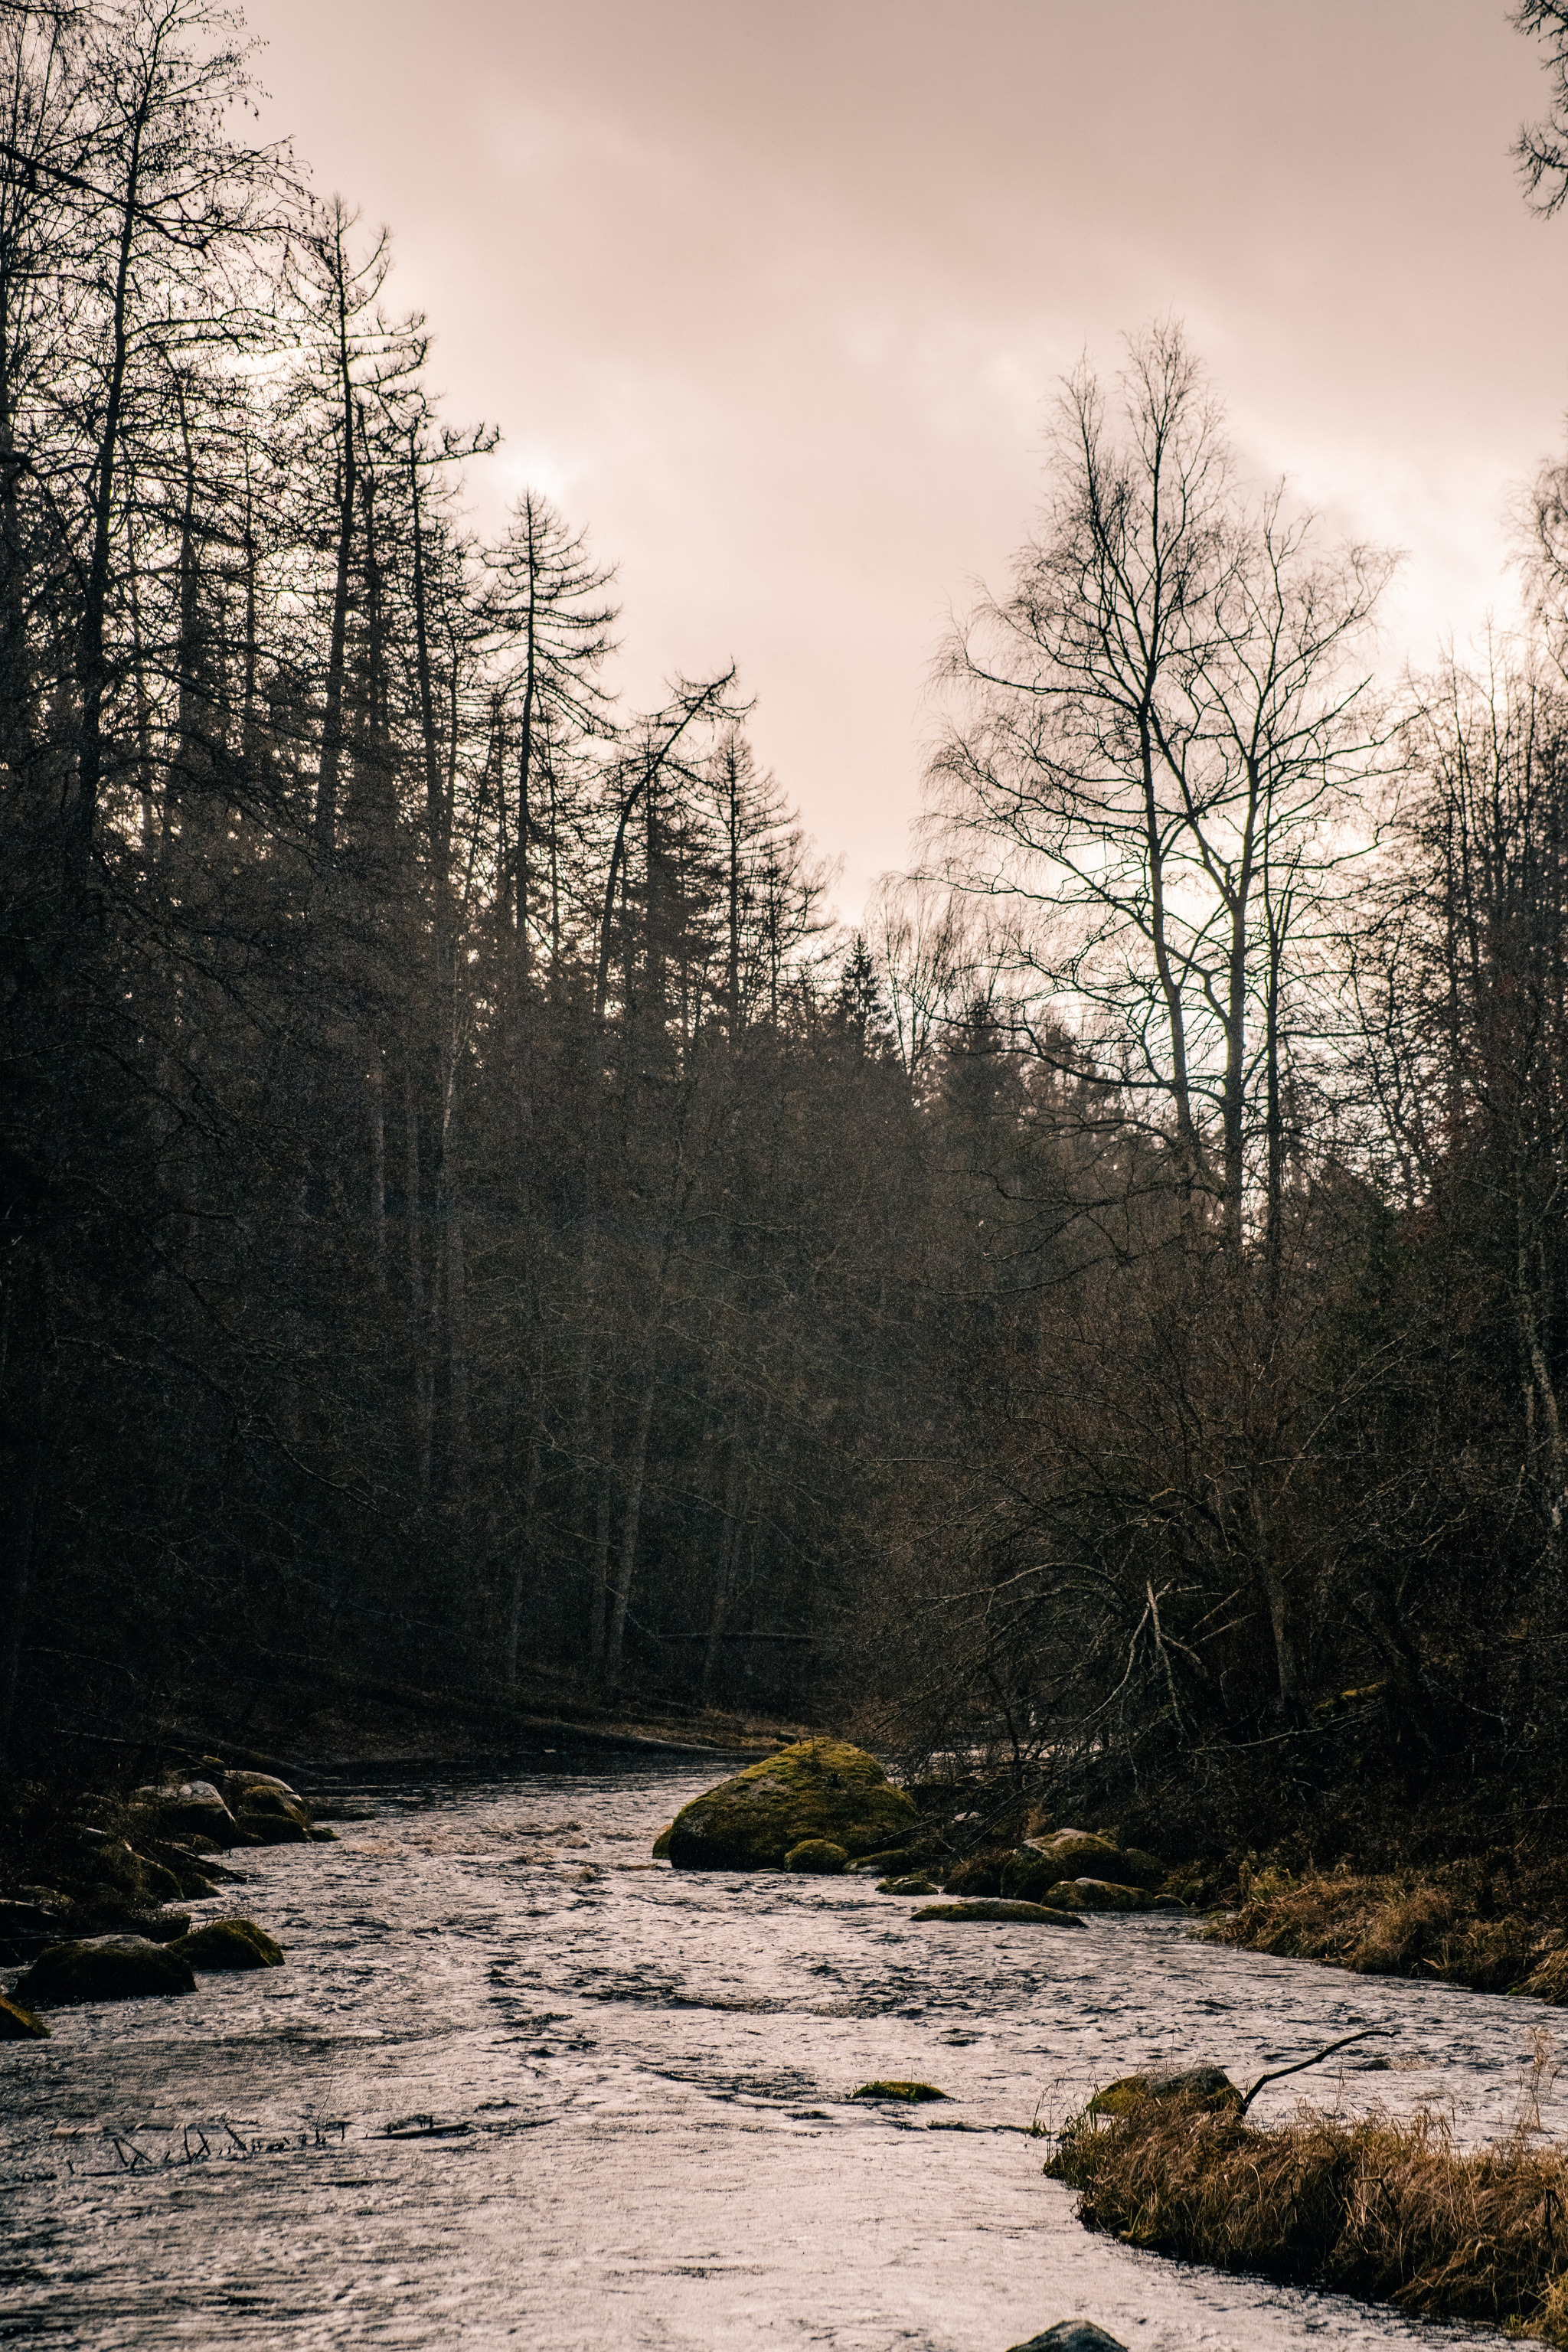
{"x":452,"y":1187}
{"x":472,"y":1221}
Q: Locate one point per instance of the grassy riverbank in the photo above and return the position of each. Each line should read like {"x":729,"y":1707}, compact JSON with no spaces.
{"x":1387,"y":2211}
{"x":1448,"y":1926}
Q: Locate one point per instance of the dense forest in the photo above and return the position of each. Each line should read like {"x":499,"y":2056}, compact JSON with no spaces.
{"x":475,"y":1219}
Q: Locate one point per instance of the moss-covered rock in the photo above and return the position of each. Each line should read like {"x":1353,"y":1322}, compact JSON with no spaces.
{"x":980,"y":1875}
{"x":661,"y":1843}
{"x":1080,"y":1851}
{"x":914,"y":1885}
{"x":112,"y":1865}
{"x":186,"y":1809}
{"x":1044,"y":1914}
{"x":159,"y":1927}
{"x":1136,"y":1867}
{"x":1212,"y":2085}
{"x":104,"y":1968}
{"x":890,"y":1861}
{"x":818,"y":1788}
{"x":229,"y":1944}
{"x":1072,"y":2335}
{"x":19,"y":2025}
{"x":818,"y":1858}
{"x":1100,"y":1895}
{"x":911,"y":2095}
{"x":266,"y":1810}
{"x":1028,"y":1877}
{"x":270,"y":1818}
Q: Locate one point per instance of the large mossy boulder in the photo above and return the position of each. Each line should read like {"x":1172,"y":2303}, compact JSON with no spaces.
{"x":818,"y":1788}
{"x":102,"y":1968}
{"x":229,"y":1944}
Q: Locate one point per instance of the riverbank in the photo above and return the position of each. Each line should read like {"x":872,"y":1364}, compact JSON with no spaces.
{"x":1381,"y":2208}
{"x":1453,"y":1925}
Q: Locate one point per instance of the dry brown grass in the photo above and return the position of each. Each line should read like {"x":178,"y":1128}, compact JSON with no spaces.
{"x":1387,"y":2211}
{"x":1398,"y":1926}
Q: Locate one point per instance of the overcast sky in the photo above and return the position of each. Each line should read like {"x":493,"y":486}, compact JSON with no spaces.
{"x":770,"y":294}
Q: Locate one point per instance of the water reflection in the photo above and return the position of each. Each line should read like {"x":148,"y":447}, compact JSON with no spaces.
{"x":620,"y":2096}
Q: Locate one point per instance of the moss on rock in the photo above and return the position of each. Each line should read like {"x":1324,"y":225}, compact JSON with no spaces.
{"x":19,"y":2025}
{"x":1045,"y":1915}
{"x":1137,"y":1867}
{"x":661,"y":1843}
{"x":1076,"y":1850}
{"x":819,"y":1789}
{"x":1100,"y":1895}
{"x":1211,"y":2084}
{"x":981,"y":1875}
{"x":104,"y":1968}
{"x":913,"y":2095}
{"x":818,"y":1858}
{"x":915,"y":1884}
{"x":229,"y":1944}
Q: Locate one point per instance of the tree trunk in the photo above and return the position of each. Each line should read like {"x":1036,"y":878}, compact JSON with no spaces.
{"x":635,"y":1472}
{"x":728,"y":1548}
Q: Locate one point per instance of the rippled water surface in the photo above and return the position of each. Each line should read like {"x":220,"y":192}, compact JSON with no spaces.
{"x":654,"y":2069}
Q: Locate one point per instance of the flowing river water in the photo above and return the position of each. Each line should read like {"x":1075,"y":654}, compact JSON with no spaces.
{"x":653,"y":2070}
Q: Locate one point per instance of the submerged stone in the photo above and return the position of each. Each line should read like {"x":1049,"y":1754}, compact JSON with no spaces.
{"x":819,"y":1789}
{"x":104,"y":1968}
{"x":916,"y":1884}
{"x":229,"y":1944}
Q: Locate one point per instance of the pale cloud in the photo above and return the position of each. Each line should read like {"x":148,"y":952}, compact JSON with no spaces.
{"x":772,"y":298}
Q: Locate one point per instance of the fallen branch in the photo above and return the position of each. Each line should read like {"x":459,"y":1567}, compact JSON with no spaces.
{"x":1367,"y":2034}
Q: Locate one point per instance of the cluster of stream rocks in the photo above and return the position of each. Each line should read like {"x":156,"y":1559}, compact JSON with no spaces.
{"x":823,"y":1807}
{"x":112,"y":1930}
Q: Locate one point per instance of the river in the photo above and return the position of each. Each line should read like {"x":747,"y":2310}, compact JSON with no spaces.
{"x":651,"y":2070}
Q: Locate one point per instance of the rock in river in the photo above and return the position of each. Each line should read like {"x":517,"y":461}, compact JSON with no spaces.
{"x":1100,"y":1894}
{"x":818,"y":1788}
{"x":229,"y":1944}
{"x":104,"y":1968}
{"x":1072,"y":2335}
{"x":19,"y":2025}
{"x":267,"y":1809}
{"x":189,"y":1808}
{"x":818,"y":1857}
{"x":1043,"y":1914}
{"x":1212,"y":2085}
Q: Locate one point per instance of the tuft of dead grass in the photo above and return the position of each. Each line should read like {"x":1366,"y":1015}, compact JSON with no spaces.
{"x":1387,"y":2211}
{"x":1397,"y":1926}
